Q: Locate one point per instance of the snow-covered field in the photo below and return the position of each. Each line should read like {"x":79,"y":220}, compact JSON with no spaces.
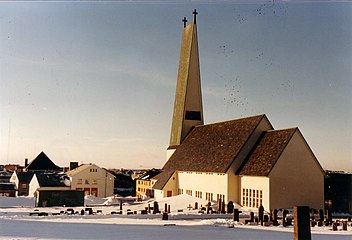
{"x":15,"y":223}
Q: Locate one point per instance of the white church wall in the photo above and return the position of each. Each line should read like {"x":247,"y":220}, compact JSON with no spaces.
{"x":233,"y":190}
{"x":297,"y":178}
{"x":255,"y":191}
{"x":203,"y":183}
{"x":169,"y":190}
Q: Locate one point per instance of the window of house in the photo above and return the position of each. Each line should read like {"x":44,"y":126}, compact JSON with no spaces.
{"x":24,"y":186}
{"x":79,"y":181}
{"x":94,"y":181}
{"x":189,"y":192}
{"x":86,"y":181}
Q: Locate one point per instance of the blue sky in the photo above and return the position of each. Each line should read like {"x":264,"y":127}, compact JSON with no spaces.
{"x":95,"y":81}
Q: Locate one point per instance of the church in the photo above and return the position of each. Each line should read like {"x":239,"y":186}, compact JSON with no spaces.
{"x":245,"y":160}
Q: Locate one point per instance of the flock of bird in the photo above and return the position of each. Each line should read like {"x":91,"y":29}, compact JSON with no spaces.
{"x":234,"y":95}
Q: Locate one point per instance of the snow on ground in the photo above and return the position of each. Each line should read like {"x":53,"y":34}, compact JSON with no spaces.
{"x":15,"y":222}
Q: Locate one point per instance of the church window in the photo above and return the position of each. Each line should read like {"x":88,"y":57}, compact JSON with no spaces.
{"x":79,"y":181}
{"x":199,"y":194}
{"x":180,"y":191}
{"x":86,"y":181}
{"x":189,"y":192}
{"x":94,"y":181}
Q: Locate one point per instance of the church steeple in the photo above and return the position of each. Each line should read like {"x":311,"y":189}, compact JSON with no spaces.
{"x":188,"y":107}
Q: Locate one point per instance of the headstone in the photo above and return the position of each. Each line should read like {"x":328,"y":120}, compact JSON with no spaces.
{"x":334,"y":226}
{"x":219,"y":205}
{"x":266,"y":218}
{"x":121,"y":205}
{"x":165,"y":209}
{"x":274,"y":215}
{"x":148,"y":207}
{"x":156,"y":207}
{"x":208,"y":207}
{"x":251,"y":214}
{"x":313,"y":223}
{"x":328,"y":216}
{"x":261,"y":214}
{"x":196,"y":205}
{"x":223,"y":207}
{"x":344,"y":225}
{"x":301,"y":226}
{"x":312,"y":215}
{"x":236,"y":215}
{"x":230,"y":207}
{"x":321,"y":215}
{"x":284,"y":214}
{"x":169,"y":209}
{"x":165,"y":216}
{"x":82,"y":212}
{"x":320,"y":224}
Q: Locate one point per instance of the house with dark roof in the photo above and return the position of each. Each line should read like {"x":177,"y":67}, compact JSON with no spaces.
{"x":21,"y":180}
{"x":42,"y":163}
{"x":244,"y":160}
{"x":48,"y":181}
{"x":145,"y":183}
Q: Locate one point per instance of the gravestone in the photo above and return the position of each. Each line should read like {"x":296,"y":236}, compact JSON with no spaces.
{"x":208,"y":207}
{"x":121,"y":205}
{"x":302,"y":223}
{"x":334,"y":226}
{"x":223,"y":207}
{"x":344,"y":225}
{"x":284,"y":214}
{"x":156,"y":207}
{"x":196,"y":205}
{"x":251,"y":214}
{"x":230,"y":207}
{"x":321,"y":215}
{"x":236,"y":215}
{"x":165,"y":209}
{"x":148,"y":207}
{"x":165,"y":216}
{"x":274,"y":215}
{"x":169,"y":209}
{"x":261,"y":214}
{"x":312,"y":215}
{"x":328,"y":217}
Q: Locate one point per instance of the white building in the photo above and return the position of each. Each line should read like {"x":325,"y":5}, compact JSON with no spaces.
{"x":93,"y":179}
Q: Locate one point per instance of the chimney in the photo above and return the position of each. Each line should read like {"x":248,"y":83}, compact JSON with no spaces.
{"x":25,"y":162}
{"x":73,"y":165}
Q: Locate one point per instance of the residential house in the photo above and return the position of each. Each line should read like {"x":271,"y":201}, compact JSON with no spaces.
{"x":22,"y":180}
{"x":92,"y":179}
{"x":144,"y":184}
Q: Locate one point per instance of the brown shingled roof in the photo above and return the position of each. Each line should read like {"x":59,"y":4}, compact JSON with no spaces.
{"x":210,"y":148}
{"x":267,"y":152}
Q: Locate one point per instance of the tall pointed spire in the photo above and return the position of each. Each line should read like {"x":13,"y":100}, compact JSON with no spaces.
{"x":188,"y":107}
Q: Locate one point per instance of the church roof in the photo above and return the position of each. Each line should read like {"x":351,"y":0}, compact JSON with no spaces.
{"x":268,"y":150}
{"x":42,"y":163}
{"x":210,"y":148}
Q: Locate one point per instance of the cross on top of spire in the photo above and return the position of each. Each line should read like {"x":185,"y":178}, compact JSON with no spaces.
{"x":184,"y":20}
{"x":195,"y":16}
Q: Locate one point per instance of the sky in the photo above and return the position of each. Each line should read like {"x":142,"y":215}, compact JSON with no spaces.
{"x":94,"y":81}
